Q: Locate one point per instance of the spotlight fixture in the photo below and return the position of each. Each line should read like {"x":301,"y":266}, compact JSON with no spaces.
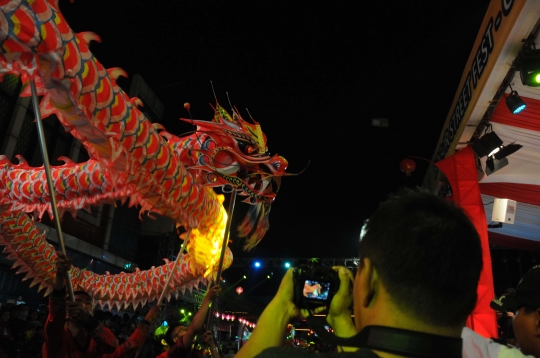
{"x":492,"y":165}
{"x":528,"y":66}
{"x":488,"y":143}
{"x":514,"y":102}
{"x":505,"y":151}
{"x":497,"y":159}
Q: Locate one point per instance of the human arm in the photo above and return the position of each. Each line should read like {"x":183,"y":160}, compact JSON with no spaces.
{"x":339,"y":315}
{"x":63,"y":265}
{"x":209,"y":339}
{"x":136,"y":341}
{"x":105,"y":339}
{"x":54,"y":326}
{"x":200,"y":317}
{"x":79,"y":314}
{"x":197,"y":323}
{"x":272,"y":324}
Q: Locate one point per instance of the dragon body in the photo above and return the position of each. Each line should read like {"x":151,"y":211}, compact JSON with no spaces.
{"x":130,"y":160}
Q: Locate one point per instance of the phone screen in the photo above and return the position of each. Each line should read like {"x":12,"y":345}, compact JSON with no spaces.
{"x":316,"y":290}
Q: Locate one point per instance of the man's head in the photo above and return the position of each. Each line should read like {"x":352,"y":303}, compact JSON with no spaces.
{"x":86,"y":300}
{"x":29,"y":330}
{"x":425,"y":254}
{"x":525,"y":302}
{"x":23,"y":310}
{"x":174,"y":332}
{"x":4,"y":314}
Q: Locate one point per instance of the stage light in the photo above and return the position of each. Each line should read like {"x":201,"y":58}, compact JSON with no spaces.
{"x":257,"y":264}
{"x":505,"y":151}
{"x":528,"y":66}
{"x":514,"y":103}
{"x":287,"y":264}
{"x":492,"y":165}
{"x":487,"y":143}
{"x":497,"y":159}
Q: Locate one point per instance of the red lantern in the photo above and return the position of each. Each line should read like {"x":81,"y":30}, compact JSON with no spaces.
{"x":239,"y":290}
{"x":407,"y":166}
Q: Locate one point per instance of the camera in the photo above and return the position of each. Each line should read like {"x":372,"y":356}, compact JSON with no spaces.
{"x":314,"y":286}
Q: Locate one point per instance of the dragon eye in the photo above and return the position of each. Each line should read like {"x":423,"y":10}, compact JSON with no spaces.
{"x":245,"y":147}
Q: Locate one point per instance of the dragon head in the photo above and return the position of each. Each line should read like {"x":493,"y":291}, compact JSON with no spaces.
{"x":232,"y":153}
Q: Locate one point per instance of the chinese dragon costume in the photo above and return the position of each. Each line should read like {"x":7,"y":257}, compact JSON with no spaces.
{"x":130,"y":159}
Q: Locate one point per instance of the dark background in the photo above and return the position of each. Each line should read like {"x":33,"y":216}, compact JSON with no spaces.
{"x":314,"y":75}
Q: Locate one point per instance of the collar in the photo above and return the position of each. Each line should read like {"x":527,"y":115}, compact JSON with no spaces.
{"x":395,"y":340}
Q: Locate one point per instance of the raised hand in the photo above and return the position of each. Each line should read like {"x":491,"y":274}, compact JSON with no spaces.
{"x":62,"y":265}
{"x":213,"y":292}
{"x":343,"y":298}
{"x":208,"y":338}
{"x":339,"y":315}
{"x":77,"y":311}
{"x":152,"y":314}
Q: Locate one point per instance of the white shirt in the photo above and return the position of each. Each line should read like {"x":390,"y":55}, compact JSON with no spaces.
{"x":477,"y":346}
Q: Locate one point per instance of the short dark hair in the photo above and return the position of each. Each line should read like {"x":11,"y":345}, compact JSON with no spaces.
{"x":427,"y":254}
{"x":528,"y":310}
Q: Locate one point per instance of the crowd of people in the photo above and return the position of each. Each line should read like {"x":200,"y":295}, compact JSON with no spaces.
{"x":21,"y":331}
{"x":74,"y":329}
{"x":420,"y":260}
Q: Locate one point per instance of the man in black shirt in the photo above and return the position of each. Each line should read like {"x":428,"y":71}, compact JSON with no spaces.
{"x":419,"y":266}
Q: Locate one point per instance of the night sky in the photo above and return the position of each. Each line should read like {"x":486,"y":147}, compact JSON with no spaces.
{"x":314,"y":75}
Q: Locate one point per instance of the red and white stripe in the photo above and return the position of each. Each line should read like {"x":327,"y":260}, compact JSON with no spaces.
{"x":520,"y":179}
